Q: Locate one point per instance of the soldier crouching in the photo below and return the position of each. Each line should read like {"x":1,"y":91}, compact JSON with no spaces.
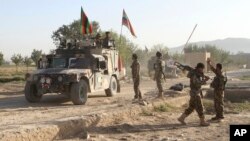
{"x":197,"y":79}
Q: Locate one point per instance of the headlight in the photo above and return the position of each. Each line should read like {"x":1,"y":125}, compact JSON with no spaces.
{"x":35,"y":77}
{"x":42,"y":80}
{"x":48,"y":80}
{"x":60,"y":78}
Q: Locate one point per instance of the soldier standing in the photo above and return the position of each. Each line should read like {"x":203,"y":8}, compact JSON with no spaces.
{"x":218,"y":84}
{"x":98,"y":40}
{"x":135,"y":67}
{"x":106,"y":40}
{"x":195,"y":103}
{"x":159,"y":68}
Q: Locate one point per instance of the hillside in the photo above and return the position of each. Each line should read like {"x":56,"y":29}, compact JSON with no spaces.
{"x":234,"y":45}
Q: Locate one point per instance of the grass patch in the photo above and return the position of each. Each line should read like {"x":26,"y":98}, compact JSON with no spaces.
{"x":6,"y":80}
{"x":228,"y":107}
{"x":238,"y":107}
{"x":163,"y":108}
{"x":246,"y":77}
{"x":146,"y":113}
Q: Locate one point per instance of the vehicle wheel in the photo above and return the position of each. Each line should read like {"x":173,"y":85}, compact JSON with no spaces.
{"x":79,"y":92}
{"x":112,"y":90}
{"x":31,"y":93}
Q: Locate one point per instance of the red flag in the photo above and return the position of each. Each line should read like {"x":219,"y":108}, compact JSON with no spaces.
{"x":126,"y":22}
{"x":86,"y":27}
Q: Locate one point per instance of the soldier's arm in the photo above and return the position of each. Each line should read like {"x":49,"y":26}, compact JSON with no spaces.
{"x":138,"y":69}
{"x":211,"y":66}
{"x":160,"y":66}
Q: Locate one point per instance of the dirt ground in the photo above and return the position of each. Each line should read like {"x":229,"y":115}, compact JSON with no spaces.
{"x":164,"y":127}
{"x":16,"y":112}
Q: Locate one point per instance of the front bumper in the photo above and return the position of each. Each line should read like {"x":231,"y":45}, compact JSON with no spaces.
{"x":54,"y":83}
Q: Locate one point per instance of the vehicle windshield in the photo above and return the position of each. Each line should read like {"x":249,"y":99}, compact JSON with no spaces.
{"x":81,"y":63}
{"x":59,"y":63}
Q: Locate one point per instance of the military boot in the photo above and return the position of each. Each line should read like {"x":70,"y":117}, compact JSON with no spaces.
{"x":203,"y":122}
{"x":181,"y":119}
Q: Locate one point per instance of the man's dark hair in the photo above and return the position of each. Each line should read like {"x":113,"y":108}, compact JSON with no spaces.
{"x":219,"y":66}
{"x":134,"y":56}
{"x":200,"y":66}
{"x":158,"y":54}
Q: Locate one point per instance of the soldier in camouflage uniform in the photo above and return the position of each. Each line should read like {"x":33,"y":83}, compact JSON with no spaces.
{"x":159,"y":69}
{"x":135,"y":67}
{"x":218,"y":84}
{"x":197,"y":79}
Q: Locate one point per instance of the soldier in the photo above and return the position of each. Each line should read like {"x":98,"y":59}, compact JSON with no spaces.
{"x":135,"y":67}
{"x":195,"y":103}
{"x":159,"y":68}
{"x":98,"y":41}
{"x":218,"y":84}
{"x":106,"y":40}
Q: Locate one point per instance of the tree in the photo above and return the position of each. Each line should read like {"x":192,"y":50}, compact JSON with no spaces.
{"x":73,"y":31}
{"x":17,"y":60}
{"x":218,"y":55}
{"x":178,"y":57}
{"x":36,"y":55}
{"x":1,"y":58}
{"x":125,"y":47}
{"x":27,"y":61}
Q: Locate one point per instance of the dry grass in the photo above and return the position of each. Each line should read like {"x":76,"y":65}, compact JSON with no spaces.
{"x":228,"y":107}
{"x":164,"y":108}
{"x":10,"y":71}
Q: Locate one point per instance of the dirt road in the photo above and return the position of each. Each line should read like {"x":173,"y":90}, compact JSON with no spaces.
{"x":16,"y":112}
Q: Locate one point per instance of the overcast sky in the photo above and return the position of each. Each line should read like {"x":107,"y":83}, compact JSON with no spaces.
{"x":28,"y":24}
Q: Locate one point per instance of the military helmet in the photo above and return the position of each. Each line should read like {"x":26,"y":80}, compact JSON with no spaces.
{"x":158,"y":54}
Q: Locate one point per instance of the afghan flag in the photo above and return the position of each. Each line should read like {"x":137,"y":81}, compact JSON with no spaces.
{"x":86,"y":27}
{"x":126,"y":22}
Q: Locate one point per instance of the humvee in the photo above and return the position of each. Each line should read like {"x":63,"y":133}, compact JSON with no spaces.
{"x":170,"y":70}
{"x":76,"y":71}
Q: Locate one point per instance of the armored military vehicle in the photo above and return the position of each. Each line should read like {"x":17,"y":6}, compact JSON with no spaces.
{"x":170,"y":69}
{"x":76,"y":70}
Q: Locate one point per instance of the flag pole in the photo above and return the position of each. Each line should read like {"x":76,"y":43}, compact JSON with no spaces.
{"x":120,"y":34}
{"x":189,"y":38}
{"x":120,"y":40}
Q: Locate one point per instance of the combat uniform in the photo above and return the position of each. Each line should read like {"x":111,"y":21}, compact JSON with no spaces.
{"x":219,"y":85}
{"x":159,"y":68}
{"x":195,"y":102}
{"x":135,"y":67}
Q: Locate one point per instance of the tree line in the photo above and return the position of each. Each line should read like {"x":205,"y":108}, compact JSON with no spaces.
{"x":123,"y":44}
{"x":18,"y":59}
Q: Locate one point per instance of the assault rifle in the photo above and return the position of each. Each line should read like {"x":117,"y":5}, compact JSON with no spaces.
{"x":183,"y":67}
{"x":188,"y":68}
{"x":164,"y":76}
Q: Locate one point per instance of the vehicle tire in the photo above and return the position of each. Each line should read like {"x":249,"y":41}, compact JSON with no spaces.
{"x":79,"y":92}
{"x":112,"y":90}
{"x":31,"y":93}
